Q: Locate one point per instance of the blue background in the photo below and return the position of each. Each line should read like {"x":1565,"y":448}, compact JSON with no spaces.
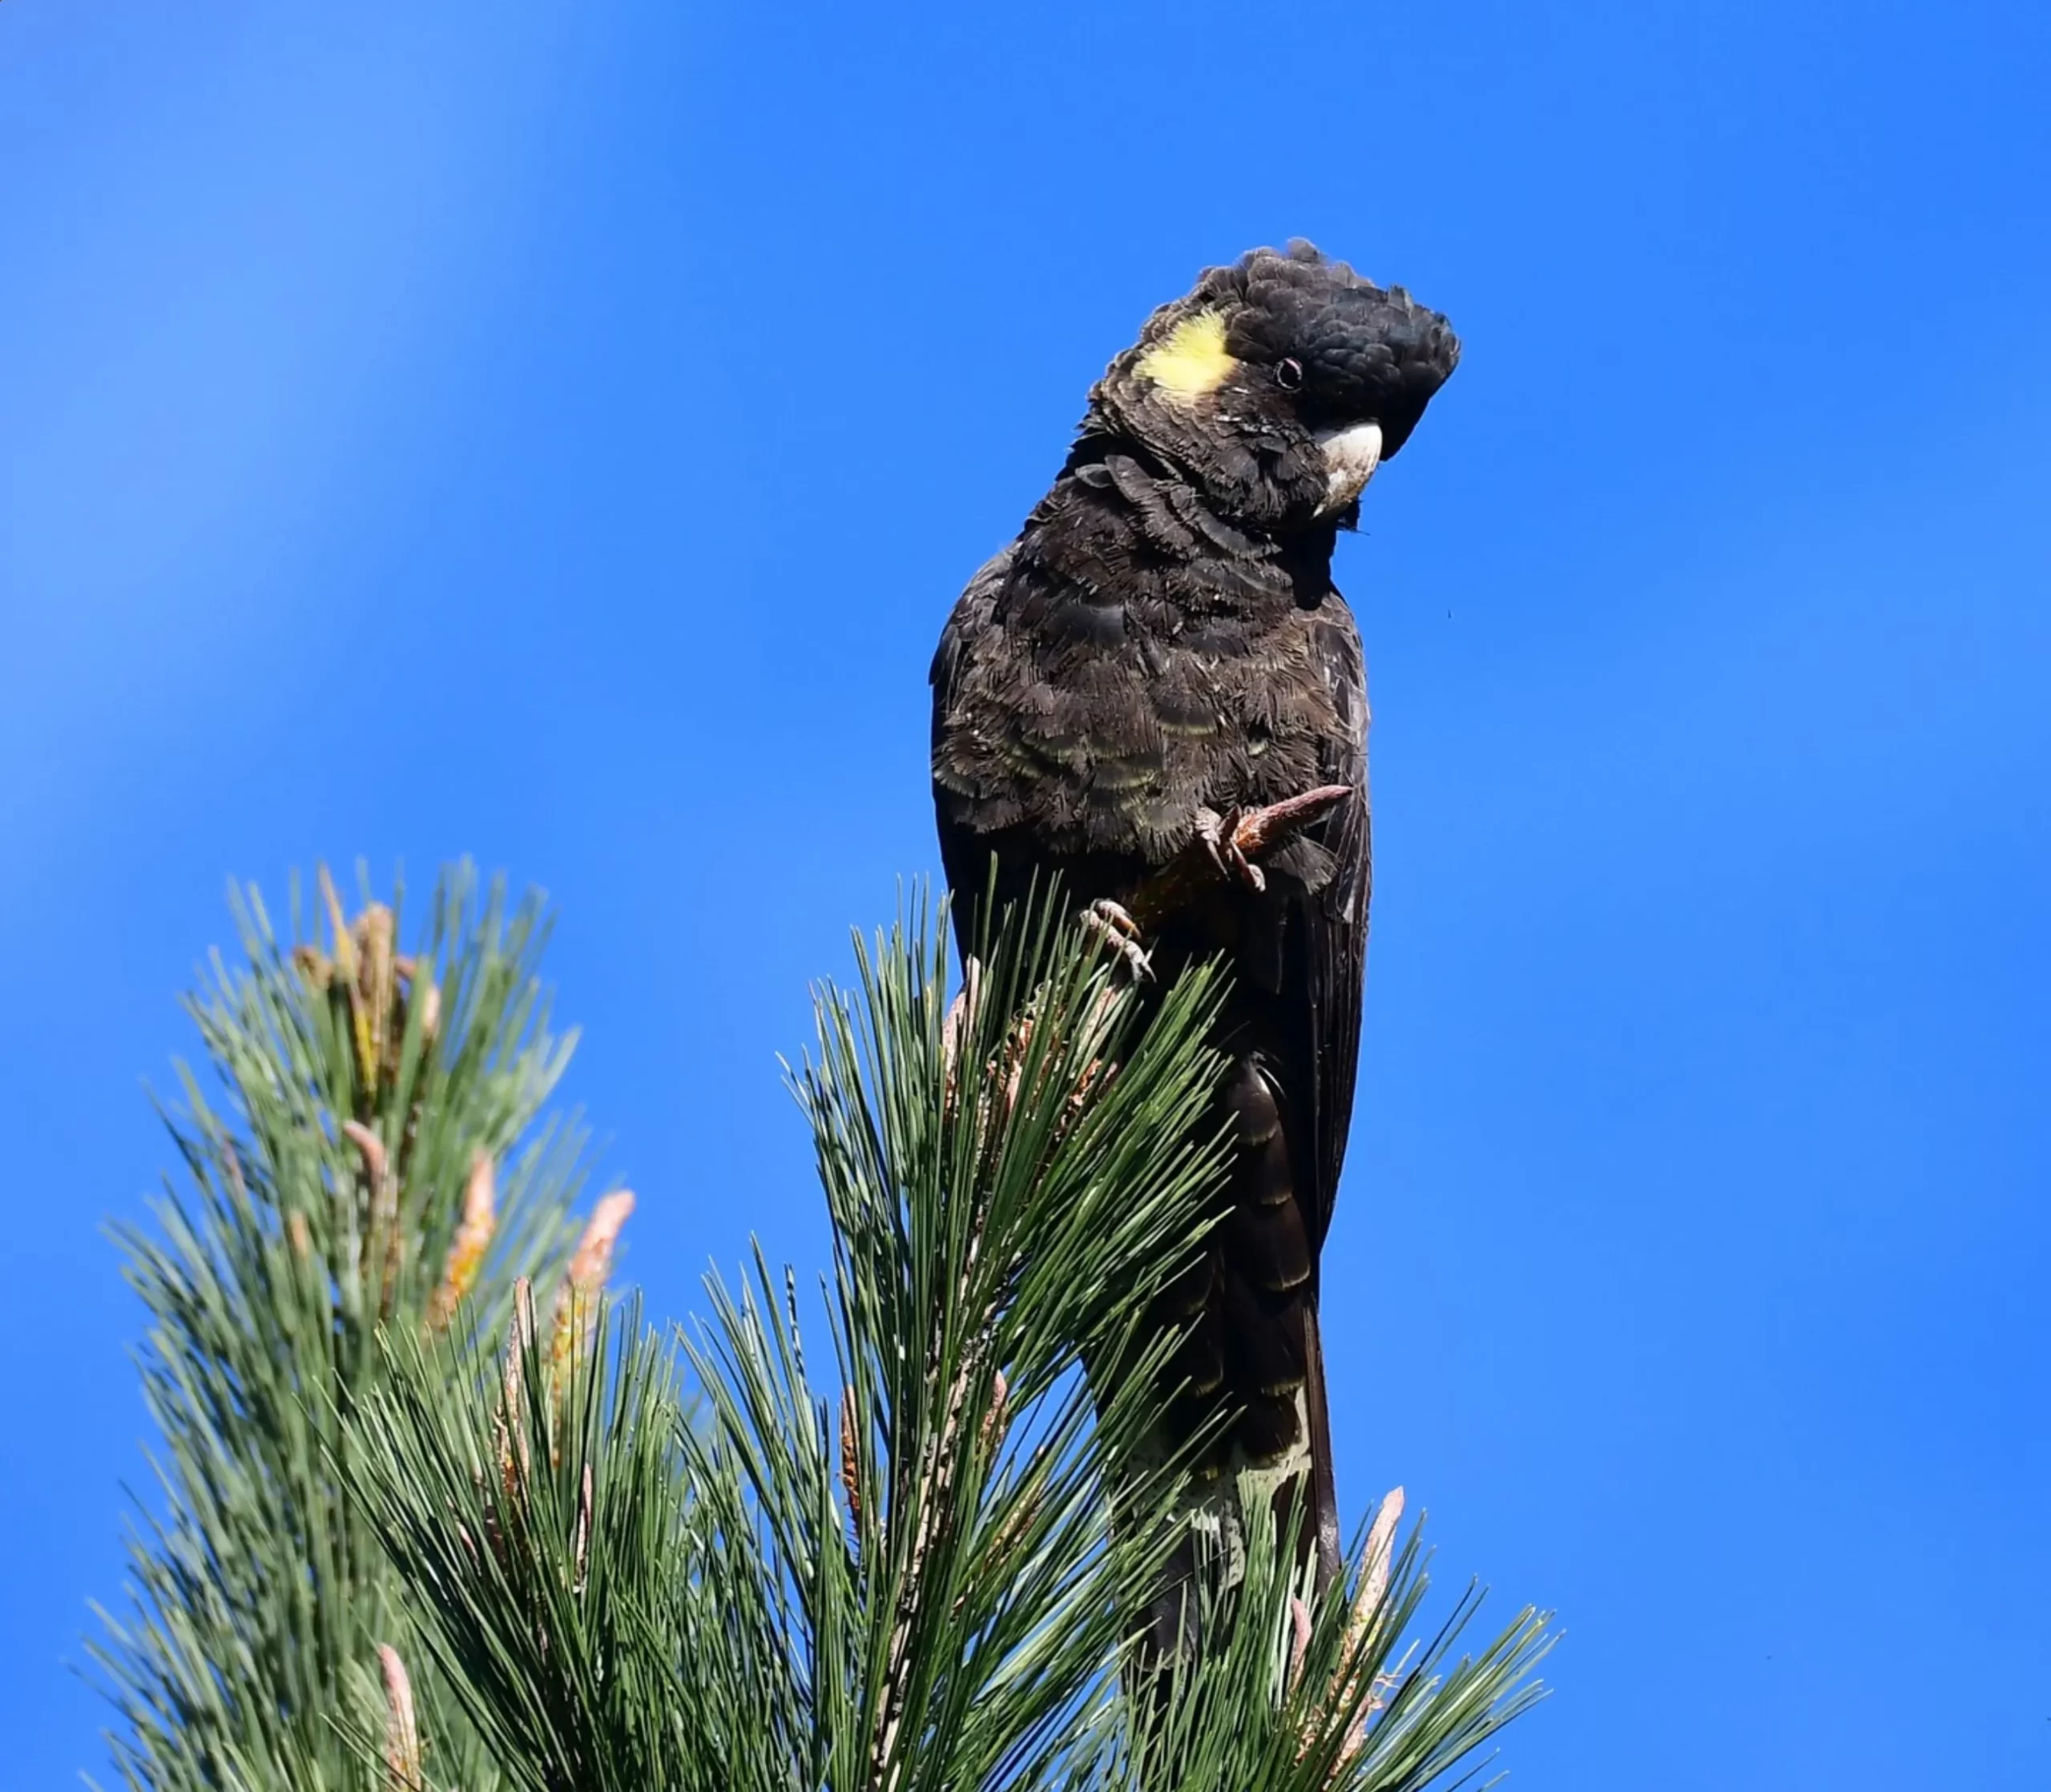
{"x":557,"y":434}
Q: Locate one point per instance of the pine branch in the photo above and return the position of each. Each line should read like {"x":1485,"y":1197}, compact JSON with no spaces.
{"x":372,"y":1151}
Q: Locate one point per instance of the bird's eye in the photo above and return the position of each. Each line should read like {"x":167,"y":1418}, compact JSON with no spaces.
{"x":1289,"y":374}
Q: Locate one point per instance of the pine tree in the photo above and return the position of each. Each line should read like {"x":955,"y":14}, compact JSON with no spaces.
{"x":424,"y":1527}
{"x":371,"y":1153}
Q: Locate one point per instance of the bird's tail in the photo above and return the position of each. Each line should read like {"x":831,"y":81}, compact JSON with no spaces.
{"x":1248,"y":1378}
{"x":1294,"y":1491}
{"x":1321,"y":1532}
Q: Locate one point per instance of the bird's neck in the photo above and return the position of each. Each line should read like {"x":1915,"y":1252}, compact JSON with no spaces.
{"x":1108,"y":459}
{"x":1123,"y":542}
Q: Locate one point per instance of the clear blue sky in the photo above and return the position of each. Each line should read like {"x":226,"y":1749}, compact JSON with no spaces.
{"x":556,"y":435}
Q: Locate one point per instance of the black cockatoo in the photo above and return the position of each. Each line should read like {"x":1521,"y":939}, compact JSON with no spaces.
{"x":1161,"y":649}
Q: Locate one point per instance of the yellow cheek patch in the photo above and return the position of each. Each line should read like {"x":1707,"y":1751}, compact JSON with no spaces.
{"x":1191,"y":360}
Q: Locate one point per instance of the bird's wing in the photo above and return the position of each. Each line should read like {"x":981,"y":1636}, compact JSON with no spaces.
{"x":1327,"y":962}
{"x":973,"y":615}
{"x":962,"y":808}
{"x":1334,"y":932}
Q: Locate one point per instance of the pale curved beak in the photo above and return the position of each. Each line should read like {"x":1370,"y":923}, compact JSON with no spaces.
{"x":1351,"y":456}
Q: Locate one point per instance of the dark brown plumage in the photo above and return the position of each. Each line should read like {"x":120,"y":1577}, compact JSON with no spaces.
{"x":1163,"y":640}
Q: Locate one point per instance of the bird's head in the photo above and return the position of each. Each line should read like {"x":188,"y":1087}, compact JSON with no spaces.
{"x":1278,"y":386}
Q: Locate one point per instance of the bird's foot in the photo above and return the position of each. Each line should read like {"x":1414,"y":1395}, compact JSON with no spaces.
{"x":1110,"y":923}
{"x":1220,"y":836}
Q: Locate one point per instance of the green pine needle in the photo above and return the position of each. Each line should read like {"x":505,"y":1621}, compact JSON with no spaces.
{"x":877,"y":1547}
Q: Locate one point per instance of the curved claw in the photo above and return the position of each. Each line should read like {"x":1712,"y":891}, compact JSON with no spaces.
{"x":1115,"y":927}
{"x":1220,"y":833}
